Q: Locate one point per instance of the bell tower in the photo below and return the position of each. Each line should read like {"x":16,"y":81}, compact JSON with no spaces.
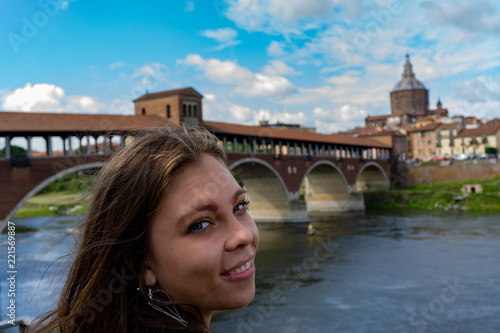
{"x":182,"y":105}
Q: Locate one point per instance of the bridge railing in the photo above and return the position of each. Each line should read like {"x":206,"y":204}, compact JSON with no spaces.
{"x":278,"y":148}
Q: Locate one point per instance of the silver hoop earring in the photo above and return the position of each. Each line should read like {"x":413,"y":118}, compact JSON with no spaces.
{"x":174,"y":314}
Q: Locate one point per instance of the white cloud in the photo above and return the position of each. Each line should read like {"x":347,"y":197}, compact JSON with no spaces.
{"x":349,"y":78}
{"x":239,"y":113}
{"x":339,"y":119}
{"x":215,"y":109}
{"x":153,"y":69}
{"x":83,"y":103}
{"x":278,"y":67}
{"x":281,"y":117}
{"x":218,"y":71}
{"x":224,"y":36}
{"x":64,"y":5}
{"x":210,"y":97}
{"x":248,"y":84}
{"x":189,"y":6}
{"x":38,"y":97}
{"x":478,"y":97}
{"x":49,"y":98}
{"x":279,"y":16}
{"x":267,"y":86}
{"x":320,"y":112}
{"x":479,"y":16}
{"x":117,"y":64}
{"x":276,"y":49}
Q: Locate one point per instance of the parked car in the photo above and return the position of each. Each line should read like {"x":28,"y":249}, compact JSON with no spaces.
{"x":462,"y":157}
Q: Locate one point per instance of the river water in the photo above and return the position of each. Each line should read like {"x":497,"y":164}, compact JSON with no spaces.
{"x":384,"y":272}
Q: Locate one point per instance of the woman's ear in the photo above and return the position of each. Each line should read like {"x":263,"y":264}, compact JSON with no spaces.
{"x":149,"y":276}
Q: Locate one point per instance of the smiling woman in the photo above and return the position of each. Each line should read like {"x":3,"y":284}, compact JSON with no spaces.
{"x":167,"y":241}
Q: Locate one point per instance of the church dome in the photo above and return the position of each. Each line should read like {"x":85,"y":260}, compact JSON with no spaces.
{"x":408,"y":80}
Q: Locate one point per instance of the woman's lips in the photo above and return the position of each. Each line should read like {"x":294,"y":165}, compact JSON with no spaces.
{"x":243,"y":272}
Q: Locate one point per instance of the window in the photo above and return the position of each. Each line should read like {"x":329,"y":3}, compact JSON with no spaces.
{"x":143,"y":111}
{"x":190,"y":114}
{"x":184,"y":110}
{"x":194,"y":110}
{"x":168,"y":111}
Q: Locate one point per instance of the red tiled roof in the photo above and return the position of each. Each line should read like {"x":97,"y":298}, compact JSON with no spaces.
{"x":166,"y":93}
{"x":372,"y":118}
{"x":422,"y":118}
{"x":383,"y":133}
{"x":448,"y":126}
{"x":479,"y":131}
{"x":30,"y":122}
{"x":366,"y":130}
{"x":438,"y":111}
{"x":278,"y":133}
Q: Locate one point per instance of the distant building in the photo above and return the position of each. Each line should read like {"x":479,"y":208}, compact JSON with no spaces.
{"x":474,"y":141}
{"x":409,"y":98}
{"x":472,"y":122}
{"x":445,"y":135}
{"x":422,"y":142}
{"x":395,"y":138}
{"x":409,"y":103}
{"x":179,"y":106}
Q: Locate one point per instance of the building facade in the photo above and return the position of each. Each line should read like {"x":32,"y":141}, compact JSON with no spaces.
{"x":474,"y":141}
{"x":182,"y":105}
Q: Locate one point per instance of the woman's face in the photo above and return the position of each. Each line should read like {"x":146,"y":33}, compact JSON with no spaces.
{"x":204,"y":241}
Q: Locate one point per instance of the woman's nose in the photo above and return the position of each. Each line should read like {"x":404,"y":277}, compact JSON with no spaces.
{"x":240,"y":234}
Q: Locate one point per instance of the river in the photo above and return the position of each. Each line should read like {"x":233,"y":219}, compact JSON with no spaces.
{"x":384,"y":272}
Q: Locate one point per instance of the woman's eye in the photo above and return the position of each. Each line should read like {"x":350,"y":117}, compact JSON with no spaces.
{"x":241,"y":207}
{"x":198,"y":226}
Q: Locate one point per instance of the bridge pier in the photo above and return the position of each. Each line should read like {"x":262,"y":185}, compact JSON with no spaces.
{"x":294,"y":211}
{"x":351,"y":202}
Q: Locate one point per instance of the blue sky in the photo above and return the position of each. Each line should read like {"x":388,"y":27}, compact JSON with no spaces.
{"x":322,"y":63}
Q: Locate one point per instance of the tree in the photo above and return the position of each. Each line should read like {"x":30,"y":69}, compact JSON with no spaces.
{"x":15,"y":152}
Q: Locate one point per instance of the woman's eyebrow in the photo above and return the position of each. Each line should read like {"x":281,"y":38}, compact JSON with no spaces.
{"x":209,"y":206}
{"x":238,"y":193}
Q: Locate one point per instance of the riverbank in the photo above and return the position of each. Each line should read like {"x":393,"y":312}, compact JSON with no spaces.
{"x":57,"y":203}
{"x":439,"y":196}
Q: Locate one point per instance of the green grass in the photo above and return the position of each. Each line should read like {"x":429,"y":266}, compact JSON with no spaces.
{"x":58,"y":203}
{"x":442,"y":196}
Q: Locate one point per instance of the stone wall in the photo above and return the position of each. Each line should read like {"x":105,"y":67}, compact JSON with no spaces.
{"x":457,"y":170}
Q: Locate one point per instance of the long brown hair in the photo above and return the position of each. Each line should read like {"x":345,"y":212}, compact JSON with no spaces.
{"x":105,"y":289}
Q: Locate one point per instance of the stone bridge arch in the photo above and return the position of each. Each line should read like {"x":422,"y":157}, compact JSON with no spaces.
{"x":269,"y":198}
{"x":47,"y":181}
{"x":327,"y":190}
{"x":371,"y":177}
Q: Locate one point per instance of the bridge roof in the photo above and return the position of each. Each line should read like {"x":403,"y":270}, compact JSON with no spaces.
{"x":31,"y":122}
{"x":278,"y":133}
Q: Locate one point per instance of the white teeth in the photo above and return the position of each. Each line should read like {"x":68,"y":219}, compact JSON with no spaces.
{"x":243,"y":268}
